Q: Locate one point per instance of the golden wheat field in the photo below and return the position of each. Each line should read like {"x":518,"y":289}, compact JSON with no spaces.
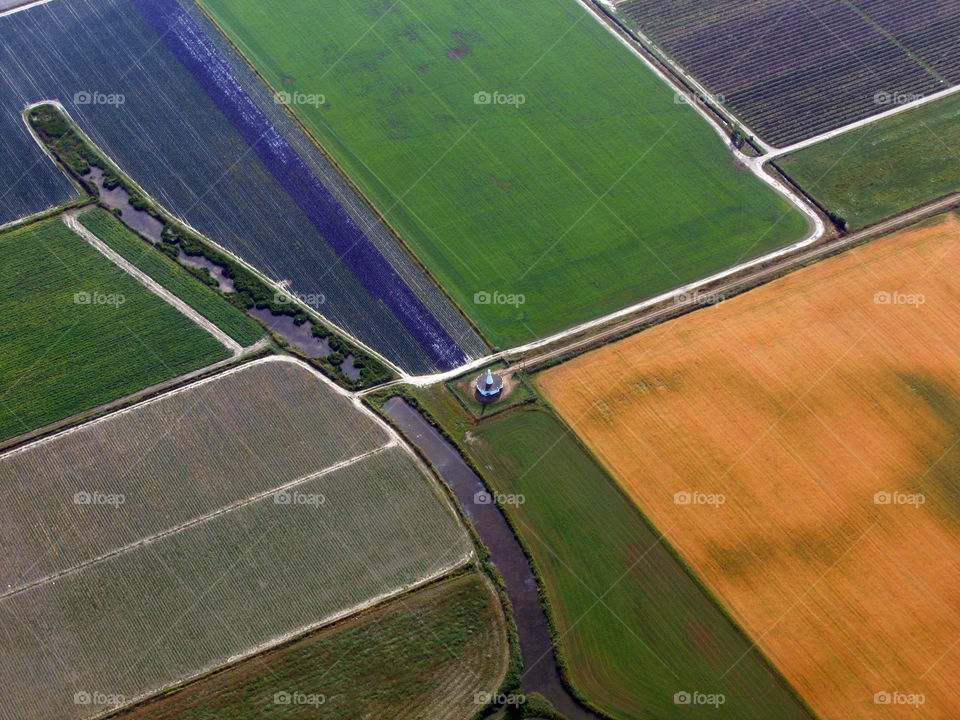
{"x":800,"y":446}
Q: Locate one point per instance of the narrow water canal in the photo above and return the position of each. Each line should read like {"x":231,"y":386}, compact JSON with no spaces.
{"x":540,"y":672}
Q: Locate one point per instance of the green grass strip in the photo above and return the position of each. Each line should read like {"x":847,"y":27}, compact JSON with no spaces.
{"x":173,"y":276}
{"x":77,"y":331}
{"x":884,"y":168}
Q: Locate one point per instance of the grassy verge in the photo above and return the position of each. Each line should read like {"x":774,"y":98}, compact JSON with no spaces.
{"x":885,"y":168}
{"x":78,"y":331}
{"x":422,"y":656}
{"x":634,"y":626}
{"x":576,"y":201}
{"x":173,"y":276}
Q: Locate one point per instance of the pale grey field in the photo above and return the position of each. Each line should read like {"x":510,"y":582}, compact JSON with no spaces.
{"x":190,"y":573}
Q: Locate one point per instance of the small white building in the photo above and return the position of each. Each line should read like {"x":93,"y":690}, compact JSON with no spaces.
{"x":489,"y":384}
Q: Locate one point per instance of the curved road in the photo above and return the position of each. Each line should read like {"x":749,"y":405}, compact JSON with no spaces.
{"x":70,"y":219}
{"x":747,"y":282}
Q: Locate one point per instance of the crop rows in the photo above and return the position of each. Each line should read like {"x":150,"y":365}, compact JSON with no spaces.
{"x":425,"y":656}
{"x":173,"y":459}
{"x":77,"y":331}
{"x":164,"y":540}
{"x":211,"y":69}
{"x":194,"y":599}
{"x":501,"y":201}
{"x":799,"y":446}
{"x":895,"y":153}
{"x":792,"y":70}
{"x":177,"y":142}
{"x":173,"y":277}
{"x":655,"y":632}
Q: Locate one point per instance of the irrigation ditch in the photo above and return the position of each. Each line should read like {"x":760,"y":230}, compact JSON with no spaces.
{"x":542,"y":672}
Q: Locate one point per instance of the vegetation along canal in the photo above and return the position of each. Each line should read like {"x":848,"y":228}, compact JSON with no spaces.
{"x":540,"y":672}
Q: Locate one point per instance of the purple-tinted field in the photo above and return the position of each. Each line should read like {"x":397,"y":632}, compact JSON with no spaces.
{"x":791,"y":70}
{"x":212,"y":70}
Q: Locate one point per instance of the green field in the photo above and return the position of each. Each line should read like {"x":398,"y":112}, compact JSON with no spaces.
{"x":636,"y":628}
{"x":61,"y":357}
{"x":173,"y":276}
{"x":884,"y":168}
{"x":245,"y":508}
{"x":598,"y":191}
{"x":424,"y":656}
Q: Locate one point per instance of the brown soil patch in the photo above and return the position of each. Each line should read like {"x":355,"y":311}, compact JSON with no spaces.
{"x":798,"y":402}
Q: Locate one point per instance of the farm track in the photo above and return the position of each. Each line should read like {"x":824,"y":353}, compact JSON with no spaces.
{"x":792,"y":257}
{"x":390,"y":449}
{"x":678,"y":71}
{"x":743,"y":283}
{"x":579,"y":340}
{"x":779,"y":86}
{"x":589,"y":334}
{"x":230,"y":507}
{"x":809,"y":386}
{"x":133,"y":398}
{"x":70,"y":219}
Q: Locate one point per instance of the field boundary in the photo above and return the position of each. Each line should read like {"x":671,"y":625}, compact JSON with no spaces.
{"x":176,"y":391}
{"x":780,"y":152}
{"x":393,"y":440}
{"x":723,"y":559}
{"x":198,"y":520}
{"x":401,"y":391}
{"x":70,"y":220}
{"x":128,"y":400}
{"x":52,"y":211}
{"x":277,"y":287}
{"x":818,"y":231}
{"x":342,"y":172}
{"x":25,"y":5}
{"x":546,"y":407}
{"x":288,"y":637}
{"x":758,"y":166}
{"x":770,"y":151}
{"x":663,"y":57}
{"x":358,"y":616}
{"x":741,"y":285}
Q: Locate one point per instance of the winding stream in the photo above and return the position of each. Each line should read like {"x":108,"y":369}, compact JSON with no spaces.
{"x":540,"y":672}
